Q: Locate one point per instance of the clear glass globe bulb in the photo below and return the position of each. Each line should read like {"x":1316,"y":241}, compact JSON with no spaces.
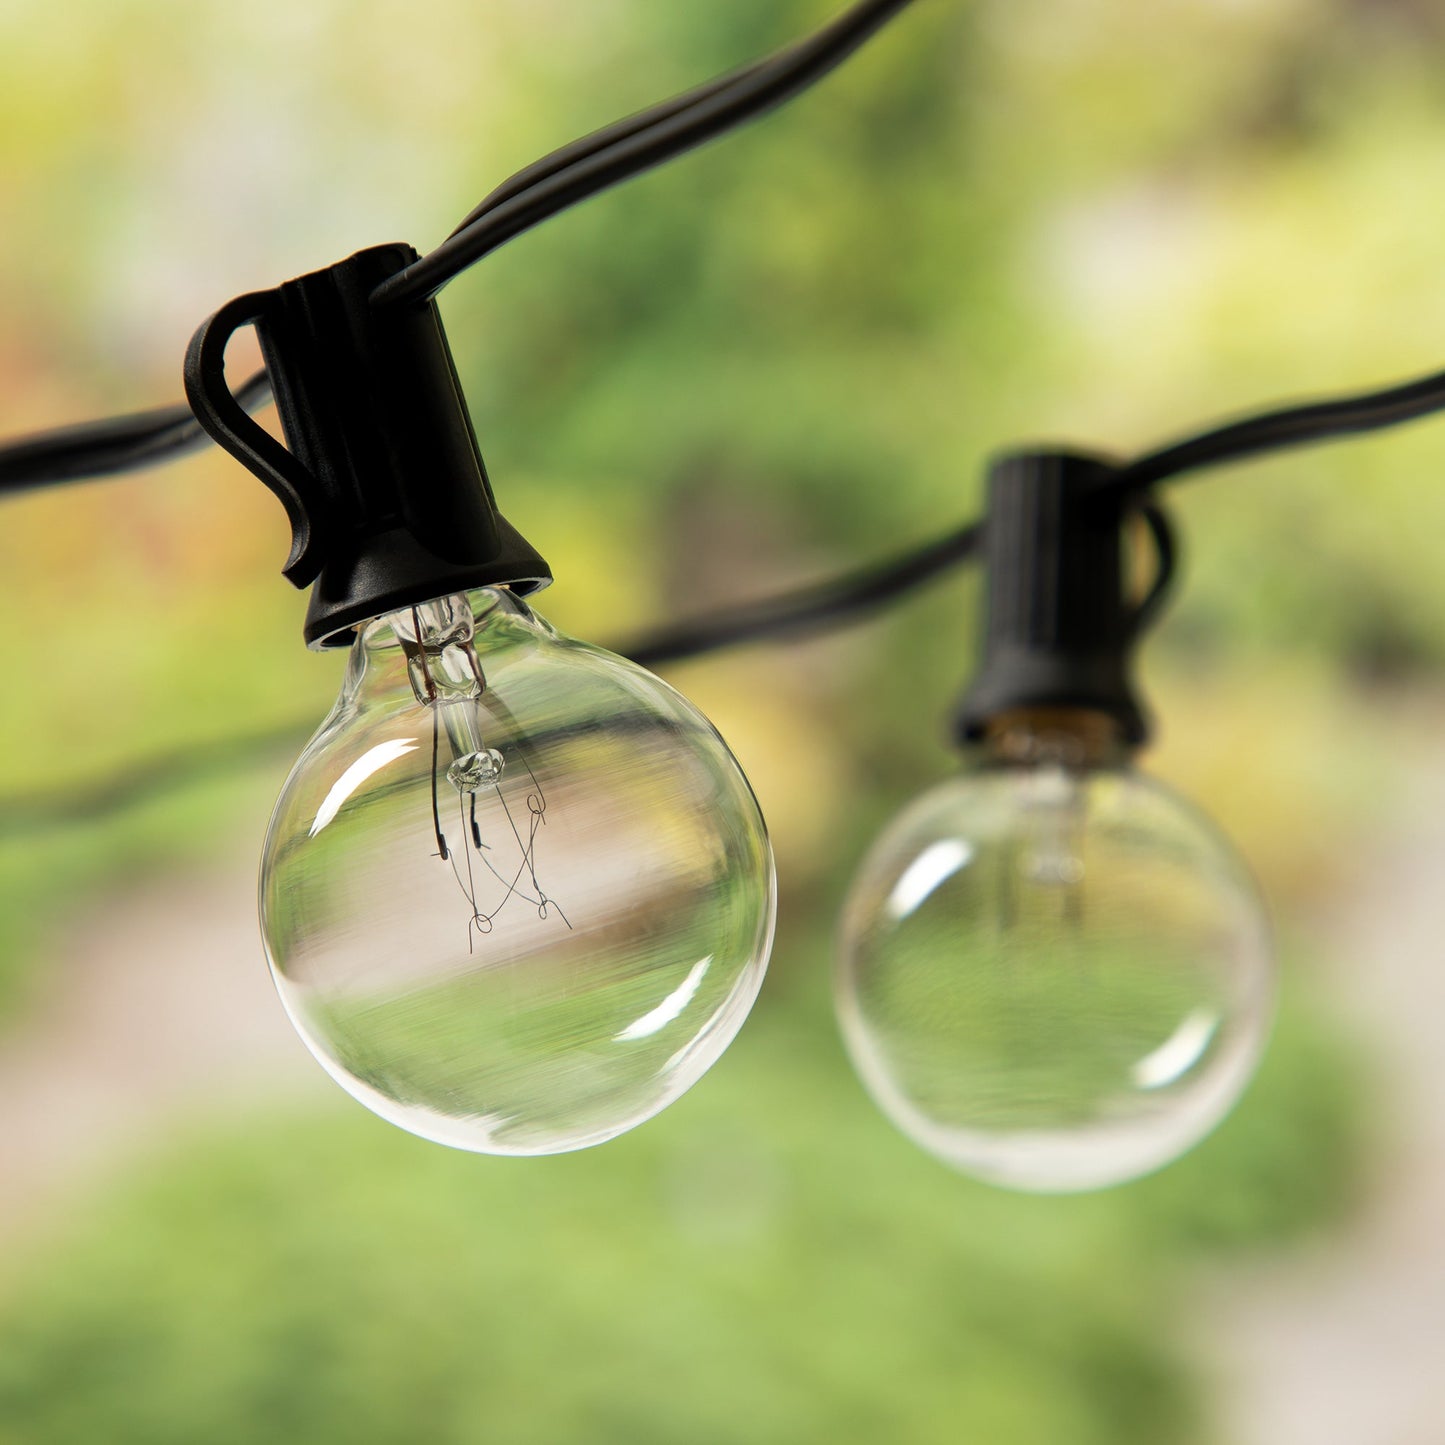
{"x":517,"y":894}
{"x":1054,"y":977}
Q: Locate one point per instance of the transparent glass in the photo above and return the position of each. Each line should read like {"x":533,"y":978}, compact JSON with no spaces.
{"x":1054,"y":977}
{"x":517,"y":894}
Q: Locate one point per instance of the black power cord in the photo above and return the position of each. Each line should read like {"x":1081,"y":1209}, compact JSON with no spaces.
{"x":129,"y":443}
{"x":612,"y":154}
{"x":810,"y":609}
{"x":633,"y":146}
{"x":114,"y":446}
{"x":624,"y":149}
{"x":552,"y":184}
{"x":1281,"y":428}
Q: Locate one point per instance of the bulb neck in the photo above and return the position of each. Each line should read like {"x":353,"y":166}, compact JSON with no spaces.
{"x":1074,"y":739}
{"x":1059,"y":629}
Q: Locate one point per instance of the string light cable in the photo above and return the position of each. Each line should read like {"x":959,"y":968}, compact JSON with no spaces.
{"x":558,"y":181}
{"x":517,"y":895}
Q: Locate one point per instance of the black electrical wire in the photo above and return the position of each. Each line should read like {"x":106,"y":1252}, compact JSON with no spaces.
{"x":132,"y":442}
{"x":853,"y":597}
{"x":570,"y":174}
{"x":144,"y":439}
{"x":816,"y":608}
{"x":1280,"y":428}
{"x":612,"y":154}
{"x":633,"y":146}
{"x":599,"y":140}
{"x":136,"y":781}
{"x":129,"y":443}
{"x":669,"y":110}
{"x":564,"y":178}
{"x":109,"y":448}
{"x":838,"y":600}
{"x":811,"y":609}
{"x":820,"y":607}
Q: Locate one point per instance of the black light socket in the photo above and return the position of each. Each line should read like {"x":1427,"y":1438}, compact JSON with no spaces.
{"x":388,"y":496}
{"x":1059,"y":629}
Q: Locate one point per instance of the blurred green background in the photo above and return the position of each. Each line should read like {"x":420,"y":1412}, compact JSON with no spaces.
{"x":787,"y":354}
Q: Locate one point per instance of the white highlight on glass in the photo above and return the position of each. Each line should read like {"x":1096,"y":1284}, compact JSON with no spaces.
{"x":1179,"y":1053}
{"x":934,"y":866}
{"x":363,"y":768}
{"x":655,"y":1020}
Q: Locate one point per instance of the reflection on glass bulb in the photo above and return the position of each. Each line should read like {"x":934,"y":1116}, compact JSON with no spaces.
{"x":1054,"y":974}
{"x":517,"y":894}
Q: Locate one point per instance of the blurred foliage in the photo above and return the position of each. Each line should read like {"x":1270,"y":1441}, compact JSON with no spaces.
{"x":767,"y":1262}
{"x":1007,"y":219}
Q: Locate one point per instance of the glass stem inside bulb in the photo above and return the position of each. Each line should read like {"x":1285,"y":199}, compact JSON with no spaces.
{"x":446,"y":676}
{"x":1054,"y":750}
{"x":441,"y":656}
{"x":1050,"y":857}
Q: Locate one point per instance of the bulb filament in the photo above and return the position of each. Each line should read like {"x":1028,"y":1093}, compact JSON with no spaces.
{"x":451,"y":693}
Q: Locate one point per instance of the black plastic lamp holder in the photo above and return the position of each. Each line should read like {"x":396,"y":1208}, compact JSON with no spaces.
{"x":381,"y":477}
{"x":1059,"y":628}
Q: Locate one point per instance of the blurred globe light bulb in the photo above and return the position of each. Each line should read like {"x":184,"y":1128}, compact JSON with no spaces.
{"x":517,"y":894}
{"x":1055,"y":974}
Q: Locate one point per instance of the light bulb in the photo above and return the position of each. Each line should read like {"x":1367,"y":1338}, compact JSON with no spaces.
{"x":1055,"y":974}
{"x":517,"y":894}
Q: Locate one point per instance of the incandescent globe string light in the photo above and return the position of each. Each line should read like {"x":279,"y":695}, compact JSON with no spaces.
{"x":517,"y":895}
{"x":588,"y":836}
{"x":1054,"y":973}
